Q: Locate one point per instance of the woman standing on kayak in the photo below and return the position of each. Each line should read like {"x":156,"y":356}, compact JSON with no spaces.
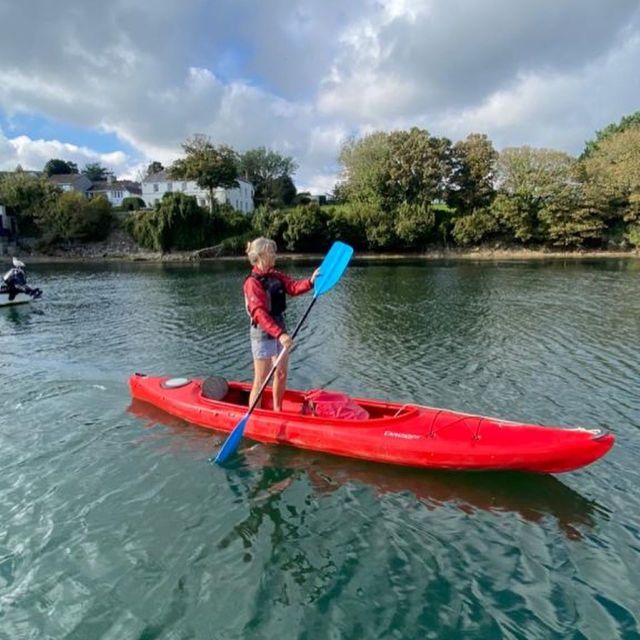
{"x":265,"y":291}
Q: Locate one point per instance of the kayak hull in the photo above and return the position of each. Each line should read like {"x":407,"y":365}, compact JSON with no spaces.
{"x":20,"y":298}
{"x":407,"y":435}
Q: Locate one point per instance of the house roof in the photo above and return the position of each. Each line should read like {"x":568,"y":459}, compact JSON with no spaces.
{"x":124,"y":185}
{"x":159,"y":176}
{"x":65,"y":178}
{"x":163,"y":176}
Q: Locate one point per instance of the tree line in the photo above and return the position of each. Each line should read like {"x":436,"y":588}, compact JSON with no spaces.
{"x":399,"y":190}
{"x":410,"y":189}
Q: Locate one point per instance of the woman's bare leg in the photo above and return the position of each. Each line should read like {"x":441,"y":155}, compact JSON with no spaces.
{"x":280,"y":382}
{"x":261,"y":368}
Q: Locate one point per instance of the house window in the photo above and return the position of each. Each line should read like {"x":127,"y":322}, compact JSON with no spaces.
{"x":155,"y":188}
{"x":116,"y":194}
{"x":169,"y":186}
{"x":184,"y":186}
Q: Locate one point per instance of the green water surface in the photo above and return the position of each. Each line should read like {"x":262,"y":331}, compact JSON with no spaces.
{"x":114,"y":525}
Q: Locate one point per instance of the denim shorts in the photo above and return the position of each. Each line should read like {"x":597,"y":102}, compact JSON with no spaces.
{"x":263,"y":347}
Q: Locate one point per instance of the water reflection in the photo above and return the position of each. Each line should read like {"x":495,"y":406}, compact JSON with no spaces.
{"x":19,"y":315}
{"x":263,"y":471}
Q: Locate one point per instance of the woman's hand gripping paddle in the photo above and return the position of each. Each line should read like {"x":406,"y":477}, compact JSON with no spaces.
{"x":331,"y":270}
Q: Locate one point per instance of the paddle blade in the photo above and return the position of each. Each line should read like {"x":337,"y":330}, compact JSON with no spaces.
{"x":332,"y":267}
{"x":231,"y":443}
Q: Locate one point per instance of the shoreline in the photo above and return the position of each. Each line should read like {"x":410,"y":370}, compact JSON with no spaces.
{"x":482,"y":254}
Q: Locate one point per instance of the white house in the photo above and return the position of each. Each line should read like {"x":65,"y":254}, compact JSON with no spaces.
{"x":72,"y":182}
{"x":115,"y":191}
{"x":157,"y":184}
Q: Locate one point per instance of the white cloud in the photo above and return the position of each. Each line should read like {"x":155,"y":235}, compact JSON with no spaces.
{"x":33,"y":154}
{"x":299,"y":75}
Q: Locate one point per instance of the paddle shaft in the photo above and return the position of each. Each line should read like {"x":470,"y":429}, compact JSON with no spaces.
{"x":256,"y":400}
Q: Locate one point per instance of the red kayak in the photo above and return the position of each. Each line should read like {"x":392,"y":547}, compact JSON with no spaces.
{"x":409,"y":434}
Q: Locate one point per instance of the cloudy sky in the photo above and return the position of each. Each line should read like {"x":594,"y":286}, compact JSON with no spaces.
{"x":123,"y":82}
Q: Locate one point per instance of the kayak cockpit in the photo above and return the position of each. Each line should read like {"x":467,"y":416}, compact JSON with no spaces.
{"x":216,"y":389}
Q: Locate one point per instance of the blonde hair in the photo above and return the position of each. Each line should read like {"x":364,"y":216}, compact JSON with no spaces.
{"x":259,"y":247}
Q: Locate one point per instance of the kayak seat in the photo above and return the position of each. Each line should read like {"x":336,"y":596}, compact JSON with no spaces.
{"x":215,"y":388}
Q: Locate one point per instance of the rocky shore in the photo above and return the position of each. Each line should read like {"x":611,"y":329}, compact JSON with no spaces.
{"x":120,"y":246}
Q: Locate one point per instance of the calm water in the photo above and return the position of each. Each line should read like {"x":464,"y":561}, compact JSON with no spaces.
{"x":113,"y":525}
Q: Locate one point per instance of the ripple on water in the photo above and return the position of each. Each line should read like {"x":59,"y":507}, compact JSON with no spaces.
{"x":113,"y":525}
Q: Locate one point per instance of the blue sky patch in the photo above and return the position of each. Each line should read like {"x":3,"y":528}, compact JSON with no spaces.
{"x":36,"y":127}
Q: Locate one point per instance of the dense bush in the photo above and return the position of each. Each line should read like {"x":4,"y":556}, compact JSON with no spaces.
{"x":345,"y":224}
{"x":270,"y":223}
{"x":307,"y":229}
{"x":27,"y":197}
{"x":132,"y":203}
{"x":570,"y":220}
{"x":176,"y":222}
{"x":518,"y":214}
{"x":414,"y":224}
{"x":229,"y":223}
{"x":74,"y":218}
{"x":475,"y":227}
{"x":633,"y":235}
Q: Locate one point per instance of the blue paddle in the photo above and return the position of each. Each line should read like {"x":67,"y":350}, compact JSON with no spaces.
{"x":331,"y":270}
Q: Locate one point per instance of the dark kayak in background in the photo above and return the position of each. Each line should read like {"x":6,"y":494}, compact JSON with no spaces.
{"x":14,"y":288}
{"x":401,"y":434}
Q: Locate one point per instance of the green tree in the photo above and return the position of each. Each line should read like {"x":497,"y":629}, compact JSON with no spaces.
{"x":270,"y":223}
{"x":627,"y":122}
{"x":417,"y":167}
{"x":306,"y":228}
{"x":132,"y":203}
{"x":633,"y":235}
{"x":472,"y":174}
{"x":611,"y":173}
{"x":26,"y":197}
{"x":390,"y":168}
{"x":95,"y":172}
{"x":414,"y":223}
{"x":59,"y":167}
{"x":474,"y":227}
{"x":271,"y":174}
{"x":176,"y":222}
{"x":364,"y":163}
{"x":74,"y":218}
{"x":284,"y":190}
{"x":210,"y":166}
{"x":569,"y":218}
{"x":528,"y":179}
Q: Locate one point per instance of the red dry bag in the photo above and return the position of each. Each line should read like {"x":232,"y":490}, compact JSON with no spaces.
{"x":331,"y":404}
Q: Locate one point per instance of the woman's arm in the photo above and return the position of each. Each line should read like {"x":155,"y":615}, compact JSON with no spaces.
{"x":294,"y":287}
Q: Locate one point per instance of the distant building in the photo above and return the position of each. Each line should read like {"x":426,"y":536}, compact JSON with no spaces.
{"x":115,"y":191}
{"x":157,"y":184}
{"x":72,"y":182}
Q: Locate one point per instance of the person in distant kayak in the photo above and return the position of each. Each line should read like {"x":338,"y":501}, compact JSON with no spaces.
{"x":15,"y":281}
{"x":265,"y":291}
